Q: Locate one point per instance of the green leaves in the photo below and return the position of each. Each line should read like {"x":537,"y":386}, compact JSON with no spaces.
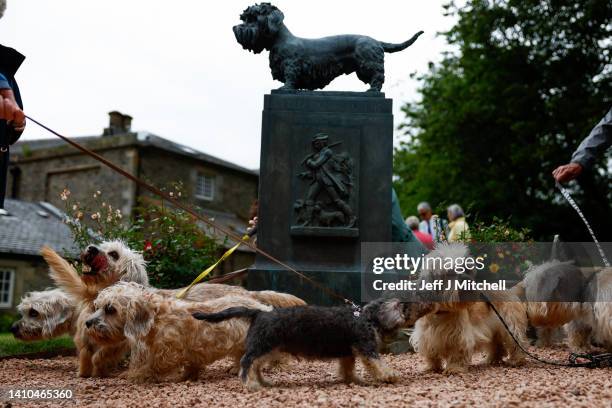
{"x":527,"y":82}
{"x":175,"y":247}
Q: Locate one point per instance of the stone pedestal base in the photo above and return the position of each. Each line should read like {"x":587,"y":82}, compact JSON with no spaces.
{"x":325,"y":187}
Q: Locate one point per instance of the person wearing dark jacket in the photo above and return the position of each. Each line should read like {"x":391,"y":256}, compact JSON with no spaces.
{"x":595,"y":144}
{"x":12,"y":118}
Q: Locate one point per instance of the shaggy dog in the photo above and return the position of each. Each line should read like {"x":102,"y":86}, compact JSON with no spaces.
{"x":113,"y":262}
{"x":165,"y":342}
{"x":449,"y":336}
{"x":598,"y":305}
{"x":44,"y":315}
{"x":302,"y":63}
{"x":317,"y":332}
{"x":554,"y":292}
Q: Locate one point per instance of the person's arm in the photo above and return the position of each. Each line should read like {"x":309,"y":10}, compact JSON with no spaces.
{"x":10,"y":111}
{"x":595,"y":144}
{"x":591,"y":147}
{"x":324,"y":156}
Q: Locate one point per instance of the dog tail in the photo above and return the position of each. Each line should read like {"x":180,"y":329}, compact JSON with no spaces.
{"x":227,"y":314}
{"x":64,"y":275}
{"x":277,"y":299}
{"x":389,"y":47}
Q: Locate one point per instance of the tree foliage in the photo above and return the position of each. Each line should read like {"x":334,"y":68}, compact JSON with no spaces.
{"x":526,"y":83}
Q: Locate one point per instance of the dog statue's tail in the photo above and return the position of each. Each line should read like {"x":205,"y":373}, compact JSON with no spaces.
{"x":64,"y":275}
{"x":277,"y":299}
{"x":228,"y":314}
{"x":389,"y":47}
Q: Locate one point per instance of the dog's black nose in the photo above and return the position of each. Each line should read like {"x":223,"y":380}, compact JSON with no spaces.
{"x":89,"y":323}
{"x":92,"y":250}
{"x":14,"y":328}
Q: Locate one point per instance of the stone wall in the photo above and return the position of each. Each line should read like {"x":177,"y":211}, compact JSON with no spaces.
{"x":30,"y":274}
{"x":44,"y":174}
{"x":234,"y":191}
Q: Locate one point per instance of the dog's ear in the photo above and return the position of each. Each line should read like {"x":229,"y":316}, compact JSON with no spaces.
{"x":414,"y":310}
{"x":55,"y":315}
{"x":138,"y":320}
{"x":274,"y":20}
{"x":58,"y":318}
{"x":391,"y":314}
{"x":135,"y":269}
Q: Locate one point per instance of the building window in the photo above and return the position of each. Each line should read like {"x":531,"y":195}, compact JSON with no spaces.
{"x":7,"y":281}
{"x":205,"y":187}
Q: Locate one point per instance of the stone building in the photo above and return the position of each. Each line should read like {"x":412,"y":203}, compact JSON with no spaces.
{"x":41,"y":169}
{"x":24,"y":228}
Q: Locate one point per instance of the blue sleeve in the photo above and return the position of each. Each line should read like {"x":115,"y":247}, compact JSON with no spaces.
{"x":4,"y":82}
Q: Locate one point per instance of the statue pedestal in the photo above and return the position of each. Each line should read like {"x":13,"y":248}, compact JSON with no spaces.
{"x":324,"y":188}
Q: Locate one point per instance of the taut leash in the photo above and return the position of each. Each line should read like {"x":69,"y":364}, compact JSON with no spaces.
{"x":600,"y":360}
{"x":194,"y":213}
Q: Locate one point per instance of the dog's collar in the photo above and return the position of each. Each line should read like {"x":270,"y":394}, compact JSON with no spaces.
{"x":355,"y":307}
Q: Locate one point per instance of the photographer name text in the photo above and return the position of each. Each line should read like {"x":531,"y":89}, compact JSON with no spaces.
{"x":440,"y":284}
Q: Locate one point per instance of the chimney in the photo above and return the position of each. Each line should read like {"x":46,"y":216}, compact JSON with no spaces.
{"x":119,"y":124}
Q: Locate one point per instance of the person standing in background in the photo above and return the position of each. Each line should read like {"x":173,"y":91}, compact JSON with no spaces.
{"x":458,"y":229}
{"x":413,"y":223}
{"x":431,"y":224}
{"x":12,"y":118}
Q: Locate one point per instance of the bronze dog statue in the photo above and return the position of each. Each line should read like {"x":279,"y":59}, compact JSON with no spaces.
{"x":302,"y":63}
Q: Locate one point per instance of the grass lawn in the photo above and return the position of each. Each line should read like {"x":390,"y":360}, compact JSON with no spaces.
{"x":9,"y":346}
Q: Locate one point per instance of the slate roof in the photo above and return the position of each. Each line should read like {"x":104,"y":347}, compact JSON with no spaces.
{"x":28,"y":226}
{"x":144,"y":139}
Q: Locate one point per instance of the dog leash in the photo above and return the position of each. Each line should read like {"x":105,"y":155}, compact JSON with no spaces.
{"x":600,"y":360}
{"x":208,"y":270}
{"x":568,"y":197}
{"x":195,"y":214}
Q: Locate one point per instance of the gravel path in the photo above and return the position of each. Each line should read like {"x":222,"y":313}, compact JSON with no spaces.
{"x":314,"y":384}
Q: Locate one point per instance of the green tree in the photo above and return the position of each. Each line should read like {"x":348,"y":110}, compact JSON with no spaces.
{"x":527,"y":81}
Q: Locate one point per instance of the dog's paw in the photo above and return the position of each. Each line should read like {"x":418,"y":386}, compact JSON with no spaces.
{"x":493,"y":361}
{"x":234,"y":369}
{"x":431,"y":368}
{"x":516,"y":362}
{"x":287,"y":87}
{"x":353,"y":379}
{"x":253,"y":386}
{"x":454,"y":369}
{"x":83,"y":374}
{"x":389,"y":376}
{"x":99,"y":372}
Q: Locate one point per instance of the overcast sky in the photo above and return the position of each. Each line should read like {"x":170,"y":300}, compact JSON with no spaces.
{"x":176,"y":67}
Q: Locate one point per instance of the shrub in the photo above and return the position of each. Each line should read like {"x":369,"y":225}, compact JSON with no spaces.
{"x":508,"y":250}
{"x":6,"y":320}
{"x":175,"y":247}
{"x":498,"y":231}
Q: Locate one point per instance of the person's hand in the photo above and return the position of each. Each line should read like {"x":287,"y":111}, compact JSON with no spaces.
{"x":567,"y":172}
{"x":252,"y":225}
{"x":9,"y":110}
